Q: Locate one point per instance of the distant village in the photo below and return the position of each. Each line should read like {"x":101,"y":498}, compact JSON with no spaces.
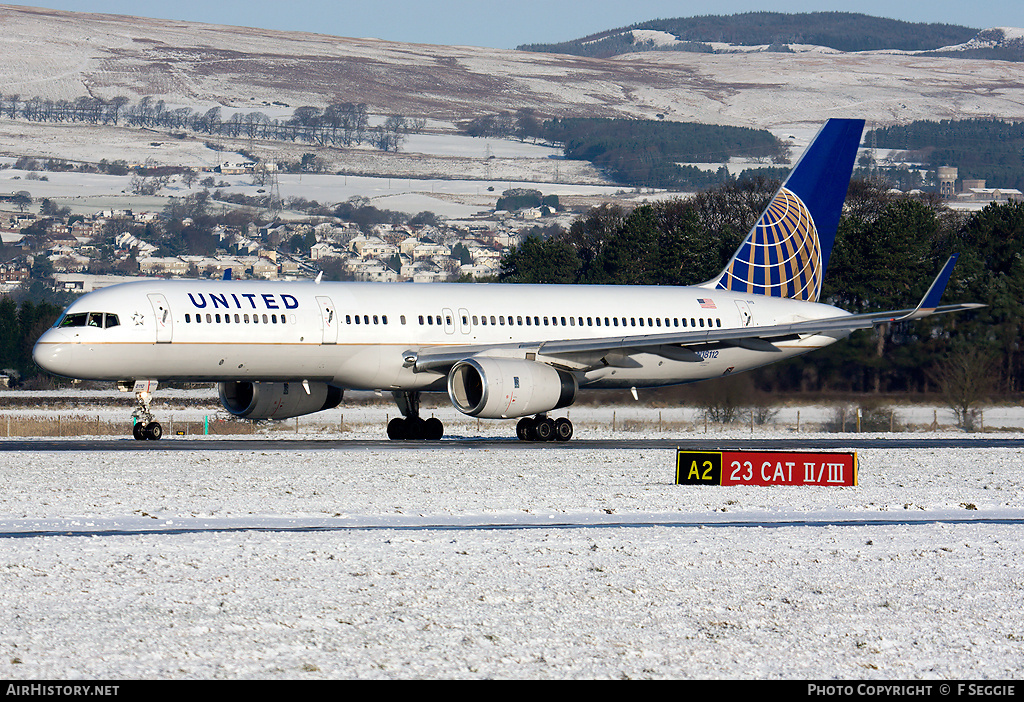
{"x":80,"y":253}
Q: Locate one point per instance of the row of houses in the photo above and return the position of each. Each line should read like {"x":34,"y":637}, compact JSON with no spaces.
{"x":389,"y":253}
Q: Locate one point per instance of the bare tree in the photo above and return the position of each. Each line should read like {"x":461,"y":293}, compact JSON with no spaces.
{"x":965,"y":377}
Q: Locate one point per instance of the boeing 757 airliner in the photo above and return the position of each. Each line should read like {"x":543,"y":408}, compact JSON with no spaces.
{"x":285,"y":349}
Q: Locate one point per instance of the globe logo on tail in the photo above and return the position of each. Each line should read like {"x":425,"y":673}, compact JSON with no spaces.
{"x":782,"y":255}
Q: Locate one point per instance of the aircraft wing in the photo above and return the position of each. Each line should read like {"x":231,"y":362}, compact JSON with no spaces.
{"x":674,"y":345}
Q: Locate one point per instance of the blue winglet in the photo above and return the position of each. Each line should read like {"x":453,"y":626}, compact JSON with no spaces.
{"x":931,"y":298}
{"x":934,"y":294}
{"x":227,"y":274}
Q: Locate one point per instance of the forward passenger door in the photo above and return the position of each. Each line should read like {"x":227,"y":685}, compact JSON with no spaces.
{"x":329,"y":320}
{"x":164,"y":322}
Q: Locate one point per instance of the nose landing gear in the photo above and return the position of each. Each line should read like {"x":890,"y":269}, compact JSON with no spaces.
{"x":145,"y":427}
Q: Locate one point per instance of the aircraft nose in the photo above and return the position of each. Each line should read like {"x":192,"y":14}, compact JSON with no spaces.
{"x":53,"y":352}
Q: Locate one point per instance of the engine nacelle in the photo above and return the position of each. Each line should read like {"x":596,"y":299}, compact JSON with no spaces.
{"x":503,"y":388}
{"x":276,"y":400}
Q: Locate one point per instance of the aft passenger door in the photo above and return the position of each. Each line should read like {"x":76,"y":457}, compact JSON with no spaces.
{"x":746,"y":318}
{"x":329,"y":319}
{"x":164,"y":323}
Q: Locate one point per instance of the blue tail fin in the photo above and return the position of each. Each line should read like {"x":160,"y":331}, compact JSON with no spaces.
{"x":787,"y":251}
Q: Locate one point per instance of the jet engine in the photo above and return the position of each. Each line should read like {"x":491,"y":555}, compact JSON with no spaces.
{"x":501,"y":388}
{"x":256,"y":400}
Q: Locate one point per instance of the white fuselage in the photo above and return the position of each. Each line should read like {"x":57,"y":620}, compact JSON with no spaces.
{"x":360,"y":335}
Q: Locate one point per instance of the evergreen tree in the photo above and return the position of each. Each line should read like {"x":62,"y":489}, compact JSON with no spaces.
{"x":991,"y":271}
{"x":537,"y":261}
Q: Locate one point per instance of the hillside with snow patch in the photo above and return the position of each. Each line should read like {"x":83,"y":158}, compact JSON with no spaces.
{"x":63,"y":56}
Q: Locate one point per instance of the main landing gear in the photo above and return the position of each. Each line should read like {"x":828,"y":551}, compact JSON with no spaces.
{"x":544,"y":428}
{"x":410,"y":427}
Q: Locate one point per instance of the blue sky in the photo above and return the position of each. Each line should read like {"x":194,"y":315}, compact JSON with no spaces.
{"x":508,"y":23}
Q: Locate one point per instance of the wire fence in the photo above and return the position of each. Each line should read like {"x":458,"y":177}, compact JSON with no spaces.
{"x":627,"y":420}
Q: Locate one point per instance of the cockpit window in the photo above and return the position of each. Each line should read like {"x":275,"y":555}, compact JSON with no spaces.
{"x":74,"y":320}
{"x":90,"y":319}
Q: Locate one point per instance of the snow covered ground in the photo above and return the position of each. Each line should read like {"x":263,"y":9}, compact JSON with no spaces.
{"x":472,"y":563}
{"x":445,"y":174}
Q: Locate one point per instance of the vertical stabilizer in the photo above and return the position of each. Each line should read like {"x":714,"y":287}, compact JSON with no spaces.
{"x":787,"y":251}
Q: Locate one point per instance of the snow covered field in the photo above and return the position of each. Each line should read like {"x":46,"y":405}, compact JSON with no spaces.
{"x":471,"y":563}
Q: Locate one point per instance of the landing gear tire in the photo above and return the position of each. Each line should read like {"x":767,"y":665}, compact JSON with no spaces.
{"x":396,"y":429}
{"x":544,"y":429}
{"x":147,"y":432}
{"x":541,"y":428}
{"x":563,"y":429}
{"x":433,"y":429}
{"x":415,"y":429}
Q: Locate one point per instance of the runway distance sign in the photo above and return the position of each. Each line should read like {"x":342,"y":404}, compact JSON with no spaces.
{"x":830,"y":469}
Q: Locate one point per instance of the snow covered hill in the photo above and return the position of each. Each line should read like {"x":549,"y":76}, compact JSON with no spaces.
{"x":61,"y":55}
